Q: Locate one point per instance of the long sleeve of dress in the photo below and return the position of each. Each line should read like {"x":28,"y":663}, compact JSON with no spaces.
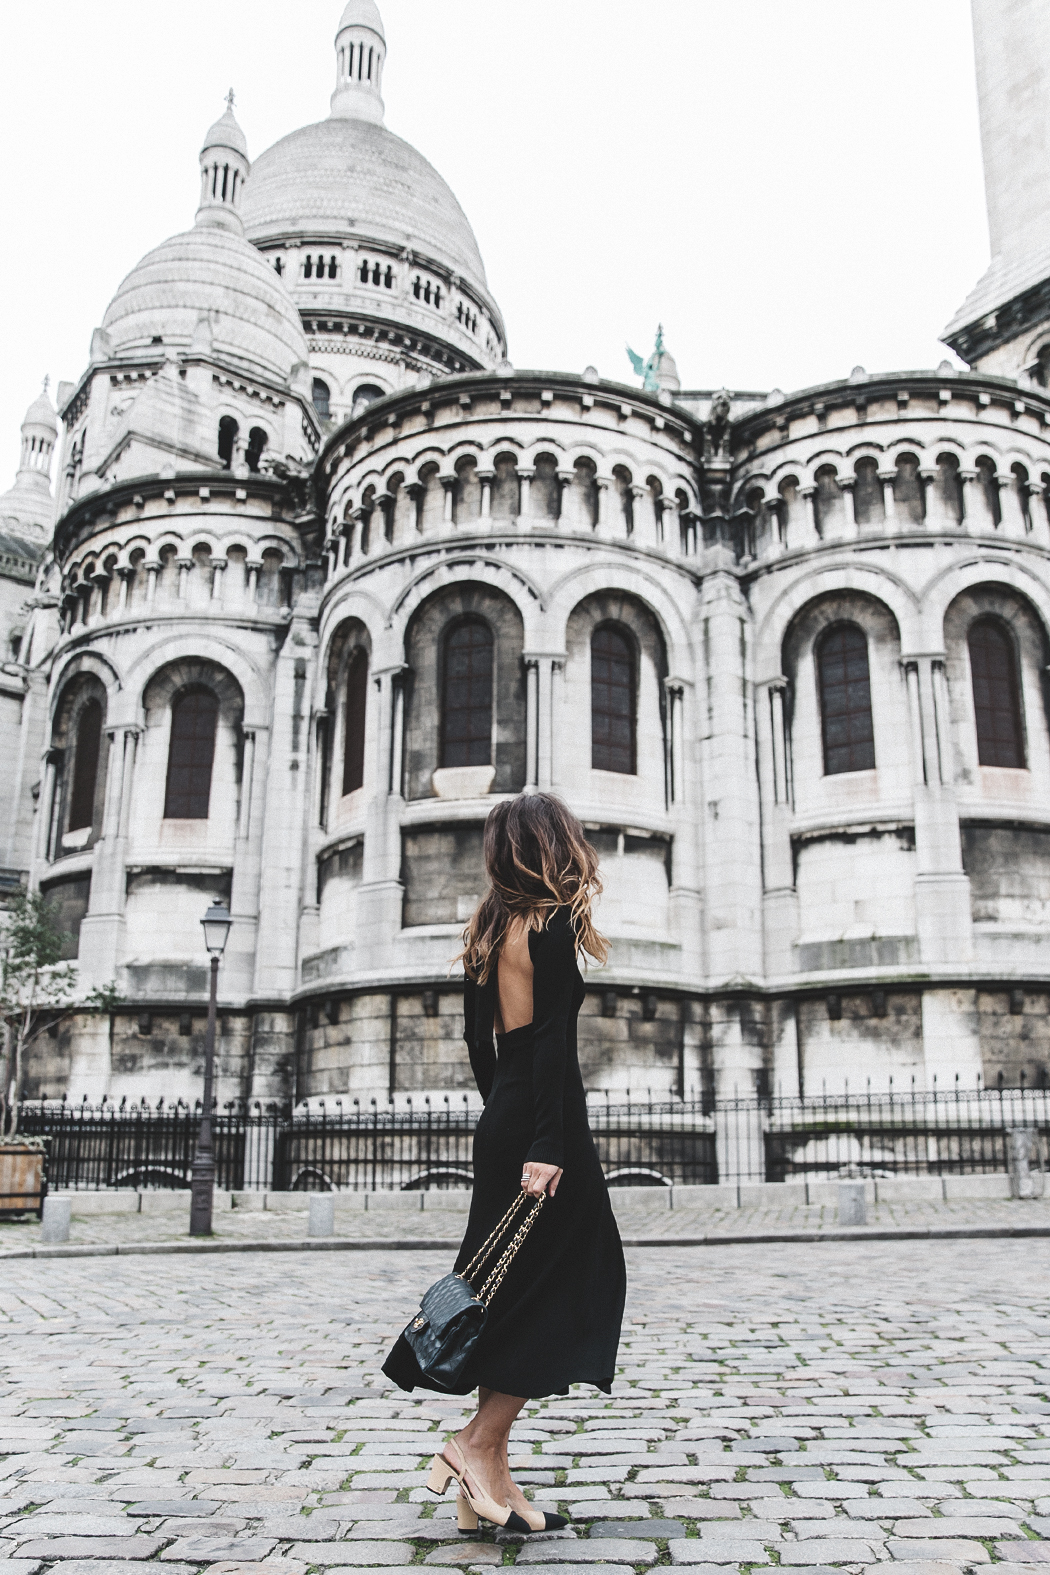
{"x":553,"y":982}
{"x":479,"y":1045}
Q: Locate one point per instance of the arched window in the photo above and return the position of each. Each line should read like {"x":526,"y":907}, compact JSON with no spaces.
{"x":85,"y":766}
{"x":612,"y":701}
{"x":996,"y":694}
{"x":228,"y":430}
{"x":191,"y":751}
{"x":256,"y":444}
{"x":364,"y":396}
{"x":466,"y":708}
{"x":845,"y":700}
{"x":354,"y":739}
{"x":321,"y":395}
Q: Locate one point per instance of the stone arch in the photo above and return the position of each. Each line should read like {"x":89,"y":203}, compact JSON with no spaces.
{"x":806,"y":697}
{"x":426,"y":631}
{"x":79,"y":758}
{"x":1017,"y":616}
{"x":351,"y":721}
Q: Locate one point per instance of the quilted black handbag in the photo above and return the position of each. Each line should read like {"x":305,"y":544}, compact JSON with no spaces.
{"x":452,"y":1314}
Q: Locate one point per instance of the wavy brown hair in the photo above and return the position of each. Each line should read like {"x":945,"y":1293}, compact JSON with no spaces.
{"x":537,"y":859}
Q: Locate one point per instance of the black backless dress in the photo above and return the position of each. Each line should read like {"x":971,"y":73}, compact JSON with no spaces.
{"x":555,"y":1320}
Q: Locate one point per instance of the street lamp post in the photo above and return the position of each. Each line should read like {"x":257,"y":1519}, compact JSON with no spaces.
{"x":216,"y":923}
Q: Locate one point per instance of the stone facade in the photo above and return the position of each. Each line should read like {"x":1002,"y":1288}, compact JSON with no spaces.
{"x":283,"y":492}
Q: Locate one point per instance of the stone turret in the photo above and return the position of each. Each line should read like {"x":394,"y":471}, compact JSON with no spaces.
{"x":1003,"y":323}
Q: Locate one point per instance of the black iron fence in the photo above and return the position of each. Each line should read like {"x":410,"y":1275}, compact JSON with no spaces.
{"x":346,"y":1145}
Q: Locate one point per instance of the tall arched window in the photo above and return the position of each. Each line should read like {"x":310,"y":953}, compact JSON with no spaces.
{"x":354,"y":738}
{"x":845,"y":700}
{"x":256,"y":445}
{"x":85,"y":767}
{"x":228,"y":430}
{"x":466,"y":710}
{"x":996,"y":694}
{"x":191,"y":751}
{"x":321,"y":395}
{"x":612,"y":701}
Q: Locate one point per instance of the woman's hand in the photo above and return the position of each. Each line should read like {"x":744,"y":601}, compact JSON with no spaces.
{"x":537,"y":1178}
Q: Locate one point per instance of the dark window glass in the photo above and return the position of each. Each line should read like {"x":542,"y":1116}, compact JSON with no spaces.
{"x":85,"y":767}
{"x":466,"y":712}
{"x":190,"y":755}
{"x":612,"y":701}
{"x":996,"y":698}
{"x":322,"y":398}
{"x":227,"y":438}
{"x":845,"y":700}
{"x":356,"y":700}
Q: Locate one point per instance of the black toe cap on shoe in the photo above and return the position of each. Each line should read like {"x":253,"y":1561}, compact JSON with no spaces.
{"x":554,"y":1522}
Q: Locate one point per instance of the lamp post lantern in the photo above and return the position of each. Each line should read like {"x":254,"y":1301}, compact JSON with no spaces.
{"x":216,"y":924}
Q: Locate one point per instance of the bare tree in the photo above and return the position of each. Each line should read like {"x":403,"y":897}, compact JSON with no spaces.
{"x":38,"y":989}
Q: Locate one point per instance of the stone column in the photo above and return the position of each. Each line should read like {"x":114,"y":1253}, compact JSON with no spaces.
{"x":486,"y":477}
{"x":184,"y":566}
{"x":730,"y":811}
{"x":603,"y":483}
{"x":675,"y":692}
{"x":381,"y":894}
{"x":397,"y":733}
{"x":849,"y":503}
{"x":127,"y":574}
{"x":253,"y":565}
{"x":449,"y":484}
{"x":565,"y":481}
{"x":531,"y":722}
{"x":218,"y":568}
{"x":779,"y":897}
{"x":416,"y":491}
{"x":101,"y":949}
{"x":525,"y":475}
{"x":932,"y":502}
{"x":889,"y":501}
{"x":244,"y":819}
{"x":810,"y":495}
{"x":942,"y":890}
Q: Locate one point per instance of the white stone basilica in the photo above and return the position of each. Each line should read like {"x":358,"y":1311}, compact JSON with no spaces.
{"x":324,"y":574}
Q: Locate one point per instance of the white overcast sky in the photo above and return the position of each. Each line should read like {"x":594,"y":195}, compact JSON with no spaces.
{"x":791,"y":186}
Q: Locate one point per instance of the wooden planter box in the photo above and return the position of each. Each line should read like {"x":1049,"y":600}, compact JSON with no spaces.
{"x":22,"y":1178}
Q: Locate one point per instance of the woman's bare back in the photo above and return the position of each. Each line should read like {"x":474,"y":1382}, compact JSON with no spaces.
{"x":514,"y":980}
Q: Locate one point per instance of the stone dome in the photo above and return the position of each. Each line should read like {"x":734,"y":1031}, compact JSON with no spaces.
{"x":227,"y":133}
{"x":211,"y":274}
{"x":362,"y":13}
{"x":352,"y":175}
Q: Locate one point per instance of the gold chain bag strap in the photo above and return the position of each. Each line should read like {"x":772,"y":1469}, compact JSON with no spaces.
{"x":453,"y":1312}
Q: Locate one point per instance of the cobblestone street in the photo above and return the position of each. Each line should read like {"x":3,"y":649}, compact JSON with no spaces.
{"x":807,"y":1406}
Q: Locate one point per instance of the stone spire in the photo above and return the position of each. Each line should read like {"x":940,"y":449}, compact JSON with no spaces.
{"x":224,"y":170}
{"x":26,"y":508}
{"x":1003,"y":315}
{"x":360,"y":50}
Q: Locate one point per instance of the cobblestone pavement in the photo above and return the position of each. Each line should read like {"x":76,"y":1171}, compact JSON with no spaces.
{"x":807,"y":1406}
{"x":637,"y":1219}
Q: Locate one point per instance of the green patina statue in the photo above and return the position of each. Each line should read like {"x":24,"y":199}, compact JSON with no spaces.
{"x":646,"y":370}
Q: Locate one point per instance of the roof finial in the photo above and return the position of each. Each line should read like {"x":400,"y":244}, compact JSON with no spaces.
{"x":229,"y":101}
{"x":47,"y":381}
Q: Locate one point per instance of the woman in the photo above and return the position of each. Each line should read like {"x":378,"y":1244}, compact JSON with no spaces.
{"x":555,"y":1320}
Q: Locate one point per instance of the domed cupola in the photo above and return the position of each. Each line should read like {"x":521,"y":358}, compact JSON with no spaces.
{"x":360,"y":50}
{"x":224,"y":170}
{"x":208,"y":275}
{"x":27,"y":508}
{"x":375,"y":250}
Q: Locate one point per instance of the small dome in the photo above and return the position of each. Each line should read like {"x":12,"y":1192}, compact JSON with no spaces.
{"x":362,"y":13}
{"x":226,"y":133}
{"x":208,"y":272}
{"x":41,"y":413}
{"x":354,"y":175}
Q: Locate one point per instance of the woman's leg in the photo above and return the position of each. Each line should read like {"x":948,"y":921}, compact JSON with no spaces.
{"x":484,"y":1443}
